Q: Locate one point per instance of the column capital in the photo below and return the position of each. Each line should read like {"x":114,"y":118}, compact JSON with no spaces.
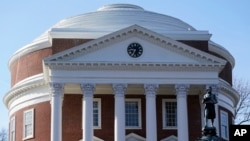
{"x":87,"y":89}
{"x":150,"y":89}
{"x":119,"y":89}
{"x":56,"y":89}
{"x":181,"y":89}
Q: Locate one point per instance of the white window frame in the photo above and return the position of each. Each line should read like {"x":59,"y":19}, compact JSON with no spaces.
{"x":32,"y":124}
{"x":164,"y":117}
{"x":13,"y":129}
{"x":139,"y":113}
{"x":98,"y":100}
{"x":222,"y":114}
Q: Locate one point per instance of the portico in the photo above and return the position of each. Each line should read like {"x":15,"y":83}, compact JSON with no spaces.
{"x":89,"y":66}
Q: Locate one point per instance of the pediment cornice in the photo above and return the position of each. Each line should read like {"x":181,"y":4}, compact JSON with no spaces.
{"x":77,"y":66}
{"x":140,"y":32}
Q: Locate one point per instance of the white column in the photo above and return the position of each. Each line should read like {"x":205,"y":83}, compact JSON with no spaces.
{"x":56,"y":111}
{"x":151,"y":126}
{"x":119,"y":91}
{"x":182,"y":116}
{"x":87,"y":111}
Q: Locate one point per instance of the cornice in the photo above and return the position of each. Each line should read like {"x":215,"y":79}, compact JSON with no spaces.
{"x":19,"y":91}
{"x":156,"y":66}
{"x":218,"y":49}
{"x":226,"y":89}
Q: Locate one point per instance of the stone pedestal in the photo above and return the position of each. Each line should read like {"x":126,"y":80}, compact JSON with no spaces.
{"x":209,"y":134}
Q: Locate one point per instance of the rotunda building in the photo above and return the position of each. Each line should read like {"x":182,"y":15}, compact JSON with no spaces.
{"x":120,"y":73}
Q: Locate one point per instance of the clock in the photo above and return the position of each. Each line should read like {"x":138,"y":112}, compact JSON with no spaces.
{"x":134,"y":50}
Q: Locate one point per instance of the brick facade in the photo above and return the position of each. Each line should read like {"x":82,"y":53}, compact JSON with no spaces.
{"x":28,"y":65}
{"x":72,"y":118}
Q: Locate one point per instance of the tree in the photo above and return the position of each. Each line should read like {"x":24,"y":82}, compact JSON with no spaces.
{"x":3,"y":135}
{"x":242,"y":111}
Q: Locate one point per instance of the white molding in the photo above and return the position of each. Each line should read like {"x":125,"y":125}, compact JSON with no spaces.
{"x":227,"y":90}
{"x":218,"y":49}
{"x":12,"y":129}
{"x":170,"y":138}
{"x":95,"y":139}
{"x":133,"y":135}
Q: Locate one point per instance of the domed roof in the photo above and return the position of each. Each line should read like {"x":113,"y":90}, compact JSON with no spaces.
{"x":118,"y":16}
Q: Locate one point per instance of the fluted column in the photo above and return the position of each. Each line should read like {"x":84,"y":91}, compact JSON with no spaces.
{"x":56,"y":90}
{"x":182,"y":116}
{"x":119,"y":91}
{"x":87,"y":117}
{"x":151,"y":126}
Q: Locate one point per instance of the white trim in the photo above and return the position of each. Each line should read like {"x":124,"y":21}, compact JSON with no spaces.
{"x":98,"y":100}
{"x":163,"y":115}
{"x":225,"y":114}
{"x":13,"y":128}
{"x":170,"y":138}
{"x":32,"y":124}
{"x":139,"y":113}
{"x":133,"y":135}
{"x":95,"y":139}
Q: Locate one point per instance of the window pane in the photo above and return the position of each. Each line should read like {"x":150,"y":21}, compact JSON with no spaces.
{"x":224,"y":124}
{"x":170,"y":114}
{"x":132,"y":113}
{"x":28,"y":123}
{"x":95,"y":114}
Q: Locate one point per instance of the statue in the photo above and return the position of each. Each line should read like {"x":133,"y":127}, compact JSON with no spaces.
{"x":209,"y":100}
{"x":209,"y":131}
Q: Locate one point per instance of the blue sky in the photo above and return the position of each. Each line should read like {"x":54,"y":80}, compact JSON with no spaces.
{"x":23,"y":21}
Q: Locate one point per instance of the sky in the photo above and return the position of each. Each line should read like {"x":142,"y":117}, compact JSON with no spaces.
{"x":21,"y":21}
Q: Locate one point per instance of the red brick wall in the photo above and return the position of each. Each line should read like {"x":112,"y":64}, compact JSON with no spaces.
{"x":31,"y":64}
{"x":72,"y":123}
{"x":59,"y":45}
{"x":41,"y":122}
{"x":194,"y":117}
{"x":28,"y":65}
{"x":72,"y":117}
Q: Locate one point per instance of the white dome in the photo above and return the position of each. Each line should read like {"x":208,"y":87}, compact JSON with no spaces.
{"x":111,"y":18}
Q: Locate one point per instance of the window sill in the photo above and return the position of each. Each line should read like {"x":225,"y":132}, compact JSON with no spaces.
{"x":29,"y":137}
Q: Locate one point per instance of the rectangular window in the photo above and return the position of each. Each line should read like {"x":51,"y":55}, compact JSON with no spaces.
{"x":133,"y":113}
{"x":169,"y":108}
{"x":224,"y":124}
{"x":97,"y":113}
{"x":13,"y":129}
{"x":28,"y":124}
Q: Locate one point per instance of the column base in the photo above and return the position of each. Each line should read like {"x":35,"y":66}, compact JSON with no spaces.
{"x":209,"y":134}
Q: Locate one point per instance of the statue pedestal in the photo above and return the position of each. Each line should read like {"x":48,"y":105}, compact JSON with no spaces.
{"x":209,"y":134}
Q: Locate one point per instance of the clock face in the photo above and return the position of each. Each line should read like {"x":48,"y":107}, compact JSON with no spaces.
{"x":135,"y":50}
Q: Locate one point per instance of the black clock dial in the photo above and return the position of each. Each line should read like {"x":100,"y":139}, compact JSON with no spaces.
{"x":135,"y":50}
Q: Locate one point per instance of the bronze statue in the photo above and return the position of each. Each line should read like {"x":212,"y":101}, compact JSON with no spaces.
{"x":209,"y":100}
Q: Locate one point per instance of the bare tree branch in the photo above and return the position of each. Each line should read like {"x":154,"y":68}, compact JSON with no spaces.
{"x":3,"y":135}
{"x":242,"y":110}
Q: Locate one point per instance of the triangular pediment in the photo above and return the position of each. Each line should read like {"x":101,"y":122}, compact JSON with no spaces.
{"x":112,"y":50}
